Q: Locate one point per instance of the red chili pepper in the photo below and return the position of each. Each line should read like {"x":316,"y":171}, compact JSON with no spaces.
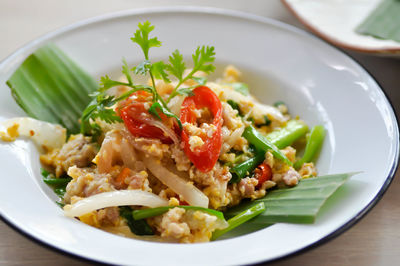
{"x":204,"y":157}
{"x":263,"y":173}
{"x":131,"y":116}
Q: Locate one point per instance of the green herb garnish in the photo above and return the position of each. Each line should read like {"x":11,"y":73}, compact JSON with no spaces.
{"x":100,"y":107}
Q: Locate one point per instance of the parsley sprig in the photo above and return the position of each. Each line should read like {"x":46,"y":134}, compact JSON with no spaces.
{"x":101,"y":105}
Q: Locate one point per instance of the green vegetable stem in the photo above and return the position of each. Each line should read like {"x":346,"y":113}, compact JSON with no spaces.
{"x":263,"y":144}
{"x":245,"y":168}
{"x":240,"y":218}
{"x":294,"y":130}
{"x":313,"y":145}
{"x":140,"y":227}
{"x":282,"y":138}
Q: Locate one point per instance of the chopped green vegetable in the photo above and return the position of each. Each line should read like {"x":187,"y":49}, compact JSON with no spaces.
{"x":276,"y":104}
{"x":282,"y":138}
{"x":240,"y":218}
{"x":49,"y":86}
{"x":246,"y":168}
{"x":140,"y":227}
{"x":151,"y":212}
{"x":294,"y":130}
{"x":234,"y":105}
{"x":60,"y":192}
{"x":383,"y":22}
{"x":313,"y":145}
{"x":59,"y":185}
{"x":263,"y":144}
{"x":299,"y":204}
{"x":267,"y":121}
{"x":241,"y":88}
{"x":57,"y":181}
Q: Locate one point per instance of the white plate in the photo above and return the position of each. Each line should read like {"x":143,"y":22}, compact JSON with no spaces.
{"x":337,"y":20}
{"x":318,"y":82}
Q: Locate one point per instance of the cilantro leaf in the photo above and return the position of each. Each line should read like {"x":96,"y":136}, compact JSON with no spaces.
{"x":126,"y":71}
{"x":200,"y":80}
{"x":203,"y":57}
{"x":143,"y":68}
{"x":105,"y":84}
{"x":141,"y":37}
{"x":177,"y":65}
{"x":99,"y":107}
{"x":158,"y":106}
{"x":185,"y":91}
{"x":158,"y":70}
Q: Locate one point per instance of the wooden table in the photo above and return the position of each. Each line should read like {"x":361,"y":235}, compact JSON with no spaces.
{"x":375,"y":240}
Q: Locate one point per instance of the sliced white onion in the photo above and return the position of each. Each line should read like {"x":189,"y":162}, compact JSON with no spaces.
{"x":43,"y":134}
{"x":259,"y":110}
{"x":179,"y":185}
{"x":168,"y":131}
{"x":175,"y":104}
{"x":128,"y":154}
{"x":105,"y":157}
{"x":114,"y":198}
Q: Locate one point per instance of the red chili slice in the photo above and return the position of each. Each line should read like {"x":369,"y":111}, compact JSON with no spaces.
{"x":204,"y":157}
{"x":132,"y":115}
{"x":263,"y":173}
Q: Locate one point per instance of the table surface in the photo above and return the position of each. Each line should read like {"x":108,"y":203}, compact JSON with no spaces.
{"x":375,"y":240}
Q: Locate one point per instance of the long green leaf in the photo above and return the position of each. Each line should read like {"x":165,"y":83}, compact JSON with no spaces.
{"x":294,"y":130}
{"x":299,"y":204}
{"x":383,"y":22}
{"x":240,"y":218}
{"x":49,"y":86}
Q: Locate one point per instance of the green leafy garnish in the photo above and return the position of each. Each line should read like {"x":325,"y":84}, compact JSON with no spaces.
{"x":141,"y":37}
{"x":101,"y":105}
{"x":157,"y":106}
{"x":203,"y":58}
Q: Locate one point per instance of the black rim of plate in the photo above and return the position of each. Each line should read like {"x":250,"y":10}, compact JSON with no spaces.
{"x":232,"y":13}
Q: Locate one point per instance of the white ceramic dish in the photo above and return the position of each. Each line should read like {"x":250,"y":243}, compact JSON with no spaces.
{"x":318,"y":82}
{"x":336,"y":21}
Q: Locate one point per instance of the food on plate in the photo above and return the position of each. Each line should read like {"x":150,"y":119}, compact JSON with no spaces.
{"x":171,"y":158}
